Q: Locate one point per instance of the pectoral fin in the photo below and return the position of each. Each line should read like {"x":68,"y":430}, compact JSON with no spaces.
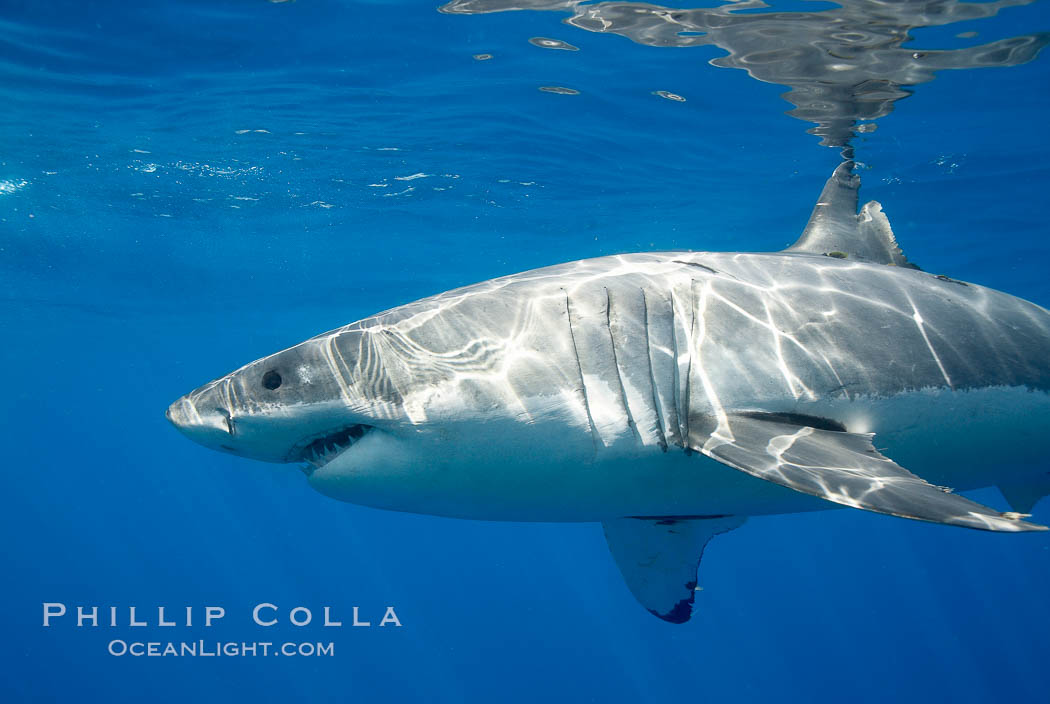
{"x":841,"y":467}
{"x":658,"y":558}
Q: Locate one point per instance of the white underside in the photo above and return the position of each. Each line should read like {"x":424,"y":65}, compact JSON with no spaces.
{"x":554,"y":470}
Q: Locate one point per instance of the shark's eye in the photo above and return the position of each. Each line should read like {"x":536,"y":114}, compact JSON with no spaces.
{"x":271,"y":380}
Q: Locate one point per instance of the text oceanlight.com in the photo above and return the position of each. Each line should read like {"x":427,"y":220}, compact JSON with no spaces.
{"x":263,"y":615}
{"x":229,"y":649}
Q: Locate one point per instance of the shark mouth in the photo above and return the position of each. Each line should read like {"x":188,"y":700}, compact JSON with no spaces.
{"x":319,"y":451}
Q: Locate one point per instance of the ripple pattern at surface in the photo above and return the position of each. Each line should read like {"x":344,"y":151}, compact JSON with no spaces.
{"x":844,"y":65}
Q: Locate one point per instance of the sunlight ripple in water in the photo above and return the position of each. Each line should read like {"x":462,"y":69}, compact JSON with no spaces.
{"x":843,"y":64}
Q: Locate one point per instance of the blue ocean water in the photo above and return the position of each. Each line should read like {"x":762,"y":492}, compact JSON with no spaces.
{"x":186,"y":186}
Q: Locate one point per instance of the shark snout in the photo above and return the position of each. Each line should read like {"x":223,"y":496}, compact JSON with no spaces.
{"x":208,"y":417}
{"x":180,"y":412}
{"x":209,"y":424}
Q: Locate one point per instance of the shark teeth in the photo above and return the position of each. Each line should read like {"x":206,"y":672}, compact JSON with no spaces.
{"x":324,"y":449}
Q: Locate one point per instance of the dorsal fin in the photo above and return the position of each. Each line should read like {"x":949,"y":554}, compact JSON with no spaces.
{"x":836,"y":230}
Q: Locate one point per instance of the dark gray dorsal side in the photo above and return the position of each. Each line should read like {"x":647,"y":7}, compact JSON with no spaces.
{"x":835,"y":229}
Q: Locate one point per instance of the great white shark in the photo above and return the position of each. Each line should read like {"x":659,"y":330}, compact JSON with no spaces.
{"x":668,"y":395}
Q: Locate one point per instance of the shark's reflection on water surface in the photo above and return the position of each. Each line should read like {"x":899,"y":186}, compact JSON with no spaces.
{"x":846,"y":65}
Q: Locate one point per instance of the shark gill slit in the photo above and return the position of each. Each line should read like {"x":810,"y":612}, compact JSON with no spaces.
{"x":677,"y":426}
{"x":662,"y":439}
{"x":340,"y":369}
{"x":677,"y":378}
{"x":631,"y":423}
{"x":375,"y":354}
{"x":227,"y":397}
{"x":689,"y":369}
{"x":361,"y":373}
{"x":368,"y":361}
{"x":386,"y":346}
{"x":579,"y":368}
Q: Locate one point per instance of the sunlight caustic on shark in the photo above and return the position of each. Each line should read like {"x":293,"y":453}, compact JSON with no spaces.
{"x":668,"y":395}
